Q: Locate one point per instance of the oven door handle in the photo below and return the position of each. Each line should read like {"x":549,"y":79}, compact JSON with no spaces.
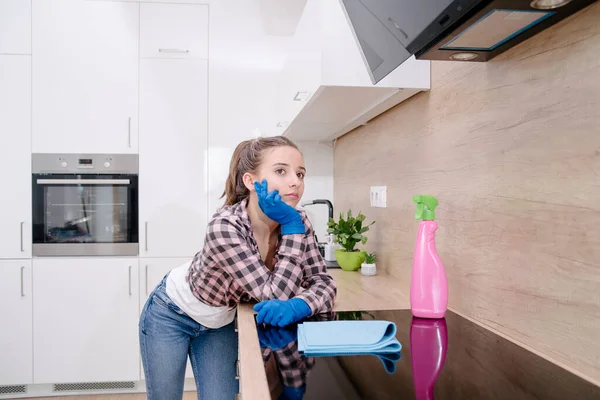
{"x":83,"y":181}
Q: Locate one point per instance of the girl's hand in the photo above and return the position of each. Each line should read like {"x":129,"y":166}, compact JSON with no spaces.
{"x":281,"y":312}
{"x":271,"y":204}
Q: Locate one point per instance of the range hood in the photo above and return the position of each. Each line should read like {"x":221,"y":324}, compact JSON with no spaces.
{"x":390,"y":31}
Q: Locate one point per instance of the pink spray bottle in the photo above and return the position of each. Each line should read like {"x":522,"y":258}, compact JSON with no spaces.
{"x":428,"y":283}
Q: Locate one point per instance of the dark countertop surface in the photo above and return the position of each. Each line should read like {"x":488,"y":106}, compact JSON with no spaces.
{"x":452,"y":358}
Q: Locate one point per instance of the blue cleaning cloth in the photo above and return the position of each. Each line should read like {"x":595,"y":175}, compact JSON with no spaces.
{"x":389,"y":360}
{"x":334,"y":338}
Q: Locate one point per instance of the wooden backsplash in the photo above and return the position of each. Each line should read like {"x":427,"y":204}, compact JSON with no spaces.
{"x":511,"y":148}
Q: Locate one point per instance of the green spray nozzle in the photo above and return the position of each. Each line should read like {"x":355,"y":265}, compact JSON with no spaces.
{"x":426,"y":205}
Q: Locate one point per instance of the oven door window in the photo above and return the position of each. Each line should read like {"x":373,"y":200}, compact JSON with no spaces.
{"x":85,"y":209}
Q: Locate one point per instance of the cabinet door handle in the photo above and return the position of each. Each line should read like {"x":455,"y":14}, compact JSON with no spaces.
{"x":237,"y":369}
{"x":83,"y":181}
{"x":397,"y":27}
{"x":129,"y":132}
{"x":177,"y":51}
{"x":146,"y":236}
{"x":22,"y":282}
{"x":301,"y":96}
{"x":146,"y":279}
{"x":22,"y":225}
{"x":130,"y":280}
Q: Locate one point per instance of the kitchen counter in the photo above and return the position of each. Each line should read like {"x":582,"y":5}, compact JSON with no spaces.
{"x":492,"y":359}
{"x":451,"y":358}
{"x":355,"y":292}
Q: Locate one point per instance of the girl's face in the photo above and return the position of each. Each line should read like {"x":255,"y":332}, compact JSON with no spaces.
{"x":283,"y":168}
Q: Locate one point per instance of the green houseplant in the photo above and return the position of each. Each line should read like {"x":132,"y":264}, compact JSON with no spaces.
{"x":348,"y":233}
{"x":370,"y":258}
{"x":369,"y":267}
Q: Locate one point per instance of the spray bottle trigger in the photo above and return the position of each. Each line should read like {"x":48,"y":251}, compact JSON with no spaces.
{"x":420,"y":208}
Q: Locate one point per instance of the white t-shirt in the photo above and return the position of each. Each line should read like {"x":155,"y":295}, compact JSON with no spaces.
{"x":179,"y":291}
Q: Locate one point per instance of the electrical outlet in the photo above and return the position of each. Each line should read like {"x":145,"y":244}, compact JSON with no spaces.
{"x":378,"y":196}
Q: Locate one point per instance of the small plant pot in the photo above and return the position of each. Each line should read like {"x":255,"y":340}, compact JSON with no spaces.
{"x":350,"y":260}
{"x":368,"y":269}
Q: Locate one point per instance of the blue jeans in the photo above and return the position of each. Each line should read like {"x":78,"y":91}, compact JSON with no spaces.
{"x":168,"y":336}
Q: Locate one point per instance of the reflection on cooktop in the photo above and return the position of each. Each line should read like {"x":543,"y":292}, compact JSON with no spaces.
{"x":451,"y":358}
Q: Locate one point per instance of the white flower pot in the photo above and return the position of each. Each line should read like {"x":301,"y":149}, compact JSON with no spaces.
{"x":368,"y":269}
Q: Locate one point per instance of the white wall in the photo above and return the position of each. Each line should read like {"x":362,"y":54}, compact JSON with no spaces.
{"x":244,"y":64}
{"x":318,"y":159}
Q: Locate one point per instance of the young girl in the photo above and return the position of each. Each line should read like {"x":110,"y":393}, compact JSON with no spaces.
{"x":257,"y":247}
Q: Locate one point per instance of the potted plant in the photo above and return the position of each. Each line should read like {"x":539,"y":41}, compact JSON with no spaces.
{"x":368,"y":267}
{"x":348,"y":233}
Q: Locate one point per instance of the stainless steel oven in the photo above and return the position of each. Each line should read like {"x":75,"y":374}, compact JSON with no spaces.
{"x":85,"y":205}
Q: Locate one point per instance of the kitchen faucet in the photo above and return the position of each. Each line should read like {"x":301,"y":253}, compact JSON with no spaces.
{"x":320,"y":201}
{"x":327,"y":249}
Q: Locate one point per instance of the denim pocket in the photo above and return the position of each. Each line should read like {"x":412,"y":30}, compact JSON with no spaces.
{"x":162,"y":299}
{"x":142,"y":322}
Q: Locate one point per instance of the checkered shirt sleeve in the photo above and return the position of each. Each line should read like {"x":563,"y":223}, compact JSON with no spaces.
{"x":320,"y":288}
{"x":228,"y":247}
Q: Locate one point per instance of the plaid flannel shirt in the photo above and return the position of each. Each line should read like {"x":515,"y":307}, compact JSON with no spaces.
{"x":229,"y":268}
{"x":293,"y":367}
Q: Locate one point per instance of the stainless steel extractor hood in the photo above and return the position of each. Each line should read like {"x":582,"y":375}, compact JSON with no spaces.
{"x":390,"y":31}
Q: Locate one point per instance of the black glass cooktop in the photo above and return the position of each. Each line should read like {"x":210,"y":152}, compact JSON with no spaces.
{"x":451,"y":358}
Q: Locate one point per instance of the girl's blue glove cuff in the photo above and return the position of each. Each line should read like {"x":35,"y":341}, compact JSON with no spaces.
{"x":293,"y":229}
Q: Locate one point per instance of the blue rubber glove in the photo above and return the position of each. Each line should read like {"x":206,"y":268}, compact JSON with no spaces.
{"x":271,"y":204}
{"x":275,"y":338}
{"x":281,"y":312}
{"x":290,"y":393}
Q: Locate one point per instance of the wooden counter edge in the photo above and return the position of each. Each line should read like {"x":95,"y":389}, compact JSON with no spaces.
{"x":253,"y":378}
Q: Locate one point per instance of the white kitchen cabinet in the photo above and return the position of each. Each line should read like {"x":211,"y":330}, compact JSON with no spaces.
{"x":16,"y":349}
{"x":325,"y":89}
{"x":85,"y":76}
{"x":15,"y":26}
{"x":172,"y":176}
{"x":15,"y":163}
{"x":161,"y":1}
{"x":173,"y":31}
{"x":301,"y":74}
{"x":85,"y":314}
{"x":152,"y":271}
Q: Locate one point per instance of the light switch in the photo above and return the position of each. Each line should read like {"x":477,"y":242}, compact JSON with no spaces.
{"x":378,"y":196}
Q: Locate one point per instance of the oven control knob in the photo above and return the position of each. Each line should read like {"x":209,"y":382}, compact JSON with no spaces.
{"x":63,"y":164}
{"x":106,"y":164}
